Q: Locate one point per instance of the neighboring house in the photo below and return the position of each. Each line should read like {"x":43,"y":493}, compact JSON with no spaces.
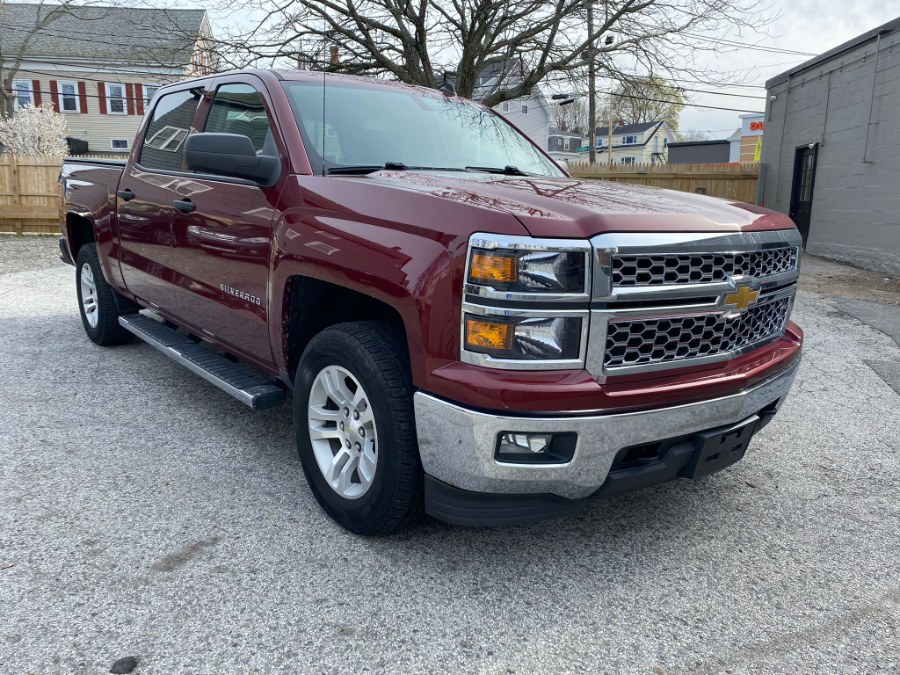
{"x":642,"y":143}
{"x":699,"y":152}
{"x":100,"y":66}
{"x":532,"y":114}
{"x":831,"y":159}
{"x":734,"y":146}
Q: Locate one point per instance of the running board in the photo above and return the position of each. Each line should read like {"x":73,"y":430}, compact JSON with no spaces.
{"x":247,"y":387}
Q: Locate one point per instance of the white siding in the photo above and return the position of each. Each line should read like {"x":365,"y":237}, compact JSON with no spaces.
{"x":535,"y":124}
{"x":89,"y":124}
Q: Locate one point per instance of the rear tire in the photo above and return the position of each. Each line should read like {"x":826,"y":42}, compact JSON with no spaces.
{"x":96,"y":300}
{"x":355,"y":427}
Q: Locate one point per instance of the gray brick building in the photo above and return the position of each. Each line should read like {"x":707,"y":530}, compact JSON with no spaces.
{"x":831,"y":158}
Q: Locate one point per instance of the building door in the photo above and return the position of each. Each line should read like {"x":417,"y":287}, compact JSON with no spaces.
{"x":802,"y":192}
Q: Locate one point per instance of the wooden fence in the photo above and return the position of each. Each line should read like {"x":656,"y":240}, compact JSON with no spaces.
{"x":731,"y":181}
{"x":30,"y":197}
{"x":30,"y":200}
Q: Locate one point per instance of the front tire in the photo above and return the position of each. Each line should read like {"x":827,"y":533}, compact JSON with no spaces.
{"x":96,"y":300}
{"x":355,"y":427}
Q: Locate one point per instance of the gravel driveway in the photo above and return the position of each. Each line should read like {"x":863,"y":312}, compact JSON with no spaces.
{"x":144,"y":513}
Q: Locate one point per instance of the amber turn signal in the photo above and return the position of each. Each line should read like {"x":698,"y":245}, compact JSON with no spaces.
{"x":491,"y":266}
{"x":488,"y":336}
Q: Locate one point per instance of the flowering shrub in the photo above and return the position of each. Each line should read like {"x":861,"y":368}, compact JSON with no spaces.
{"x":34,"y":132}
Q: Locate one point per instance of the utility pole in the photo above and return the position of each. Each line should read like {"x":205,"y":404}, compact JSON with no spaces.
{"x":592,"y":85}
{"x":609,"y":128}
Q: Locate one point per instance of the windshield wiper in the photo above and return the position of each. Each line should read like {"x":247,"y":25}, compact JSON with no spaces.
{"x":364,"y":169}
{"x":508,"y":170}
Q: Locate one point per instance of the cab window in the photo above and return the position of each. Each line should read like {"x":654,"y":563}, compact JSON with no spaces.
{"x":239,"y":109}
{"x":163,"y":145}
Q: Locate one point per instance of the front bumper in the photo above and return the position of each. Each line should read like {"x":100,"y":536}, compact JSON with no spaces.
{"x":457,"y":445}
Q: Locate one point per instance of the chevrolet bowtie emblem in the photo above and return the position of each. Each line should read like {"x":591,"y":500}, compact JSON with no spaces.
{"x":741,"y":299}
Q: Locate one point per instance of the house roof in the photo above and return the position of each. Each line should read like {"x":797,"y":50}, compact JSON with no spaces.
{"x":686,"y":144}
{"x":151,"y":37}
{"x":889,"y":27}
{"x":628,"y":128}
{"x":556,"y":131}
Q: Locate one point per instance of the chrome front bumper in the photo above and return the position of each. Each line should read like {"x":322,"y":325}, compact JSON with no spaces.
{"x":457,"y":444}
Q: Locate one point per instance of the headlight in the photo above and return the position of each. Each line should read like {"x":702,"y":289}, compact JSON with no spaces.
{"x":528,"y":271}
{"x":526,"y":302}
{"x":539,"y":338}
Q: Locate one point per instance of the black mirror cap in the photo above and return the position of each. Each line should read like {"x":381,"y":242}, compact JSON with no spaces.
{"x":230,"y":155}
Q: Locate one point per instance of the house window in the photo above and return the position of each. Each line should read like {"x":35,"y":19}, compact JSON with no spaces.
{"x":115,"y":98}
{"x":524,"y":108}
{"x":505,"y":107}
{"x":24,"y":95}
{"x":149,"y":91}
{"x":118,"y":144}
{"x":628,"y":160}
{"x":629,"y":140}
{"x":68,"y":97}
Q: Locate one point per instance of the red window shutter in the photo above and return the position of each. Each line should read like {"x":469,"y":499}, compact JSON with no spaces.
{"x":129,"y":98}
{"x":82,"y":96}
{"x":101,"y":96}
{"x":36,"y":92}
{"x":54,"y":95}
{"x":139,"y":98}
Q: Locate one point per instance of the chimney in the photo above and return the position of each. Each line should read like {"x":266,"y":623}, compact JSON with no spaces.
{"x":334,"y":56}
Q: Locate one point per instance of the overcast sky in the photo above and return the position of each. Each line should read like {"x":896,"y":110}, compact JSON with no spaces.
{"x":813,"y":26}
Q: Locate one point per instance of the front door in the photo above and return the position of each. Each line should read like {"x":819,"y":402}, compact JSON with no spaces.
{"x":222,"y":230}
{"x":802,"y":192}
{"x":144,"y":202}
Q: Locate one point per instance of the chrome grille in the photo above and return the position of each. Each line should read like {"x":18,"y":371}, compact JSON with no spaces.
{"x":641,"y":342}
{"x":698,"y":268}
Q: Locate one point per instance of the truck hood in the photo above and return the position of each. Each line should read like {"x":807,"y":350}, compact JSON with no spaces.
{"x":579,"y":208}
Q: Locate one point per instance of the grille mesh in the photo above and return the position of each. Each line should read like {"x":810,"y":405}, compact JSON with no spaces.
{"x":650,"y":341}
{"x":698,"y":268}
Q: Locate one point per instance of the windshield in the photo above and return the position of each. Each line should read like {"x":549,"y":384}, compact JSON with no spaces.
{"x":371,"y":127}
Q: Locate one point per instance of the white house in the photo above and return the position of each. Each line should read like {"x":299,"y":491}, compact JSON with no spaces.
{"x":642,"y":143}
{"x":99,"y":66}
{"x":532,"y":114}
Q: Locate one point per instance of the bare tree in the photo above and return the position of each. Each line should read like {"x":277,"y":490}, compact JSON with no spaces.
{"x":425,"y":41}
{"x":572,"y":116}
{"x":690,"y":135}
{"x":14,"y":47}
{"x":648,"y":99}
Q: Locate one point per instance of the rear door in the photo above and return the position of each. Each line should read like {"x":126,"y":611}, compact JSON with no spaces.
{"x":144,"y":201}
{"x":222,"y":229}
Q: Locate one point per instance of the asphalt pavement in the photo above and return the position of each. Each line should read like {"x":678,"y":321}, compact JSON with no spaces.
{"x":144,"y":513}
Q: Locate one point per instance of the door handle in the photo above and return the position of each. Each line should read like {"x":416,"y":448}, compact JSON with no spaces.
{"x":125,"y":195}
{"x":184,"y":205}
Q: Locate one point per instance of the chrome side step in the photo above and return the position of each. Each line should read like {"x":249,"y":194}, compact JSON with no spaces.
{"x":249,"y":388}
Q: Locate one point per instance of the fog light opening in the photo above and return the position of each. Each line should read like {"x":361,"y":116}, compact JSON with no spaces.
{"x":535,"y":448}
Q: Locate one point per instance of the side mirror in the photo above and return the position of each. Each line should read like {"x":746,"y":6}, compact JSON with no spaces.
{"x":230,"y":155}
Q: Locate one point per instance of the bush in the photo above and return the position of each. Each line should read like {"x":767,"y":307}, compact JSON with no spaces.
{"x":34,"y":132}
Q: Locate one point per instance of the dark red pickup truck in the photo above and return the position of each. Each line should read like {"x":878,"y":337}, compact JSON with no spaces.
{"x":466,"y":329}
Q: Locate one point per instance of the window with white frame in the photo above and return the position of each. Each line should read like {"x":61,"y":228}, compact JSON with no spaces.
{"x":118,"y":143}
{"x":23,"y":93}
{"x":524,"y":108}
{"x":115,"y":98}
{"x":505,"y":107}
{"x":629,"y":140}
{"x":149,"y":91}
{"x":628,"y":160}
{"x":68,"y":97}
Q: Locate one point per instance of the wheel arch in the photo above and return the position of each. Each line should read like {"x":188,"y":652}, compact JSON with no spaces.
{"x":311,"y":305}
